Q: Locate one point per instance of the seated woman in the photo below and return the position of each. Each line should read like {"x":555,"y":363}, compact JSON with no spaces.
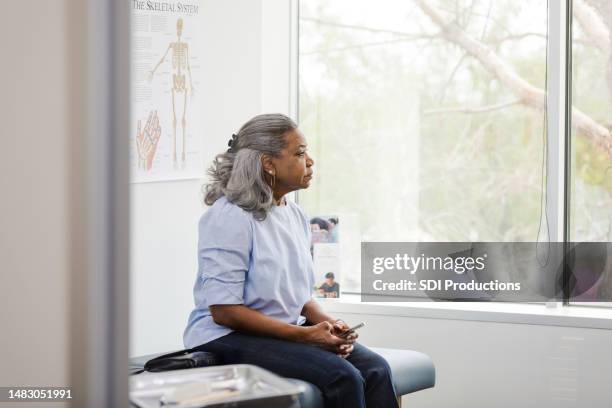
{"x":253,"y":300}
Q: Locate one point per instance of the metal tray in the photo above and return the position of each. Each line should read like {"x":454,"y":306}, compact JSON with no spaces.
{"x":237,"y":385}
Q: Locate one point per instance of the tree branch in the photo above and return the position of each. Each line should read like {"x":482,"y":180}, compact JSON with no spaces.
{"x":364,"y":45}
{"x":451,"y":77}
{"x":369,"y":29}
{"x":527,"y":93}
{"x":592,"y":25}
{"x":482,"y":109}
{"x":518,"y":37}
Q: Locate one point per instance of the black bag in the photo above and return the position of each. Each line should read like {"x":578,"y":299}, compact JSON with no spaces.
{"x":179,"y":360}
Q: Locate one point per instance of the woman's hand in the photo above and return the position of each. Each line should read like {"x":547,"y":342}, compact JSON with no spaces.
{"x":313,"y":313}
{"x":345,"y":350}
{"x":340,"y":327}
{"x":322,"y":335}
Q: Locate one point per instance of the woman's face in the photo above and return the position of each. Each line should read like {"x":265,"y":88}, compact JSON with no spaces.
{"x":293,"y":167}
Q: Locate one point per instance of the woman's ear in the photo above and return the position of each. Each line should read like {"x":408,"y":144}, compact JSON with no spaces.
{"x":266,"y":163}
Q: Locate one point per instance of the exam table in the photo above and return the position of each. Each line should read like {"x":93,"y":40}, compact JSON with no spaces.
{"x":412,"y":371}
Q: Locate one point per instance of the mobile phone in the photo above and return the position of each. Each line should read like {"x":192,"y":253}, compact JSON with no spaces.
{"x":351,"y":330}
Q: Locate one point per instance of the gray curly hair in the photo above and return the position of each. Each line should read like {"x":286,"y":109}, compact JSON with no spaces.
{"x":238,"y":173}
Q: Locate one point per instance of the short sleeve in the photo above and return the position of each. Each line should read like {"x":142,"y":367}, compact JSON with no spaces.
{"x":224,"y":251}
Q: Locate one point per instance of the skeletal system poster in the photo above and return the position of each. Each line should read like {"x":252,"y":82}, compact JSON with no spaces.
{"x":165,"y":135}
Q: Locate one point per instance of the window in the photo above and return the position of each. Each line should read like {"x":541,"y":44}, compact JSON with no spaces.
{"x":590,"y":217}
{"x":421,"y":130}
{"x":591,"y":181}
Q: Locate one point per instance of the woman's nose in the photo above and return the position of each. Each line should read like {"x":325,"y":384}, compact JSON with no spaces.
{"x":309,"y":161}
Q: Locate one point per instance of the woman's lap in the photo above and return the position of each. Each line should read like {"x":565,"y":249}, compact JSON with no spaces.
{"x":295,"y":360}
{"x":288,"y":359}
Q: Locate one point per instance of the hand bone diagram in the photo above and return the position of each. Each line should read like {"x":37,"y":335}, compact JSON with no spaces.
{"x":146,"y":141}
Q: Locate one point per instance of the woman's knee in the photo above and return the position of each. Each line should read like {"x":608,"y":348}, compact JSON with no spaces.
{"x":348,"y":377}
{"x":382,"y":363}
{"x":377,"y":369}
{"x":382,"y":371}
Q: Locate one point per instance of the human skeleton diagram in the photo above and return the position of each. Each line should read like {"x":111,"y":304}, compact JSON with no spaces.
{"x":180,"y":63}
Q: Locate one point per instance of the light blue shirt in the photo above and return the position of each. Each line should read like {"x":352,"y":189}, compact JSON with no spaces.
{"x":265,"y":265}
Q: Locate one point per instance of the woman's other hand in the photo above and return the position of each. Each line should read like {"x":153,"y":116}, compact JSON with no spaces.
{"x":345,"y":350}
{"x":340,"y":327}
{"x":322,"y":335}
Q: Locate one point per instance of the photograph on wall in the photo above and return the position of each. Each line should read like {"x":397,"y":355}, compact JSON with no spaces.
{"x":166,"y":133}
{"x":325,"y":249}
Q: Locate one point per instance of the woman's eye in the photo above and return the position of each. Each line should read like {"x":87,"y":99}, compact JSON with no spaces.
{"x":301,"y":153}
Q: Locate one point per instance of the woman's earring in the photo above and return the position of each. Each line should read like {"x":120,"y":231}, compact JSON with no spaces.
{"x":273,"y":182}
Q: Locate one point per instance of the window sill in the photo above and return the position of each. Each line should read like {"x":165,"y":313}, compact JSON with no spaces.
{"x":513,"y":313}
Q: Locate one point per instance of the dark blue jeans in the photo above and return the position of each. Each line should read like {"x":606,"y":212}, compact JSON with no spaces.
{"x":361,"y":380}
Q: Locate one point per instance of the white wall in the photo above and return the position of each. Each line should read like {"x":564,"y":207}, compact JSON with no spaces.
{"x":488,"y":364}
{"x":35,"y":189}
{"x":245,"y":71}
